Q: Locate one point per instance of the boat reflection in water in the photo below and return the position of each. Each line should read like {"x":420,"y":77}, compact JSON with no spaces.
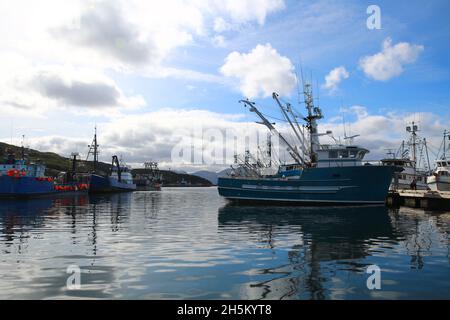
{"x":66,"y":229}
{"x":327,"y":250}
{"x":20,"y":216}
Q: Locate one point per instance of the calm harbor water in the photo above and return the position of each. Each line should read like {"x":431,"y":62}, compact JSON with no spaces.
{"x":187,"y":243}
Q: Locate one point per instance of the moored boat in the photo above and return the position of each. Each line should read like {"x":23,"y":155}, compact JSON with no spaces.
{"x":21,"y":178}
{"x":119,"y":178}
{"x":440,"y":180}
{"x":412,"y":156}
{"x":409,"y":178}
{"x":148,"y":179}
{"x":321,"y":174}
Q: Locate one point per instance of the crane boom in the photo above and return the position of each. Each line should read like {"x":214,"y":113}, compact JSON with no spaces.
{"x":293,"y":152}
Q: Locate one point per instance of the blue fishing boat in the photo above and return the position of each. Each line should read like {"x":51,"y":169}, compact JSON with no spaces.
{"x":21,"y":178}
{"x":119,"y":179}
{"x":320,"y":174}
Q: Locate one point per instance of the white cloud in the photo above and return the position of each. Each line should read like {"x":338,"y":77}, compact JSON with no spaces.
{"x":124,"y":34}
{"x":334,"y":78}
{"x":56,"y":87}
{"x":391,"y":60}
{"x":379,"y":132}
{"x":132,"y":34}
{"x":260,"y":72}
{"x":220,"y":25}
{"x":219,"y":41}
{"x":241,"y":11}
{"x":129,"y":37}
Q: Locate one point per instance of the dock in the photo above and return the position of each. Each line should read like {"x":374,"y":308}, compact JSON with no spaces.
{"x":425,"y":199}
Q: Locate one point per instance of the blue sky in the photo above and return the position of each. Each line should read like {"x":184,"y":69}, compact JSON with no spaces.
{"x":140,"y":60}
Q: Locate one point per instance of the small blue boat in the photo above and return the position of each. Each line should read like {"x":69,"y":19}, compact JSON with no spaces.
{"x":119,"y":180}
{"x":321,"y":174}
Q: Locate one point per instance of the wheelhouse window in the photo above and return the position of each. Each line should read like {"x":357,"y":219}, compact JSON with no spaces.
{"x":354,"y":153}
{"x":333,"y":154}
{"x":343,"y":154}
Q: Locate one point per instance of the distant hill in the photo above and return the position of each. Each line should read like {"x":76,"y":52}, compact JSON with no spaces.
{"x":208,"y":175}
{"x":56,"y":164}
{"x":211,"y":175}
{"x":175,"y":179}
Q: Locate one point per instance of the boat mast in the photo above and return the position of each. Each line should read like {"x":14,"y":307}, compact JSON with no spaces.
{"x":74,"y":156}
{"x":446,"y":134}
{"x":292,"y":151}
{"x":426,"y":150}
{"x":413,"y":129}
{"x":314,"y":113}
{"x":22,"y":148}
{"x":93,"y":149}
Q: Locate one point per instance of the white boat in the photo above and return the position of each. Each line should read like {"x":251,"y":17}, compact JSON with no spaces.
{"x":405,"y":179}
{"x":413,"y":157}
{"x":440,"y":180}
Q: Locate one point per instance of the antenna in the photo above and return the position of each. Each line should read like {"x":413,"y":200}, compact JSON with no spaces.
{"x":318,"y":93}
{"x":22,"y":148}
{"x":343,"y":119}
{"x":390,"y":152}
{"x":299,"y":92}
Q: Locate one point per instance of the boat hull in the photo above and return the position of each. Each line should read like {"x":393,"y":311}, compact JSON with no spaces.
{"x":24,"y":187}
{"x":101,"y":184}
{"x":322,"y":186}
